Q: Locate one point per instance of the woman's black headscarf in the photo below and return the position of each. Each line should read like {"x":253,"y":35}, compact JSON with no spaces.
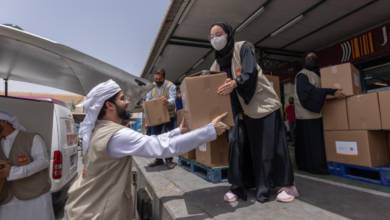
{"x":224,"y":56}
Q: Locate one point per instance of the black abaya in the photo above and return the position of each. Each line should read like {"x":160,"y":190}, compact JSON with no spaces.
{"x":309,"y":141}
{"x":269,"y":153}
{"x":258,"y":154}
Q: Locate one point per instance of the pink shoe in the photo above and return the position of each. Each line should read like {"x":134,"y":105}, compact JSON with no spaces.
{"x":287,"y":194}
{"x":230,"y":197}
{"x":283,"y":196}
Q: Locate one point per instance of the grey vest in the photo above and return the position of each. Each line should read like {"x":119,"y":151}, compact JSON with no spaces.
{"x":165,"y":92}
{"x":104,"y":192}
{"x":29,"y":187}
{"x":300,"y":111}
{"x":265,"y":100}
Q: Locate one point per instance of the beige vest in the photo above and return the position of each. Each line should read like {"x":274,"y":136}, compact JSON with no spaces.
{"x":165,"y":92}
{"x":104,"y":193}
{"x":27,"y":188}
{"x":300,"y":112}
{"x":265,"y":100}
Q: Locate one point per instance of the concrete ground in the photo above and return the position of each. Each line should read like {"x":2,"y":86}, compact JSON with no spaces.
{"x":183,"y":195}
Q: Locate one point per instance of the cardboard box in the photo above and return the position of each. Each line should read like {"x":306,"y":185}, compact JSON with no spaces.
{"x":180,"y":115}
{"x":365,"y":148}
{"x":388,"y":141}
{"x":335,"y":115}
{"x":156,"y":113}
{"x":191,"y":155}
{"x":201,"y":101}
{"x":384,"y":104}
{"x":344,"y":76}
{"x":363,"y":112}
{"x":214,"y":153}
{"x":275,"y":83}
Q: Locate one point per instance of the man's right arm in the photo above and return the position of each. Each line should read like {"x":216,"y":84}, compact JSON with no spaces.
{"x":148,"y":96}
{"x":128,"y":142}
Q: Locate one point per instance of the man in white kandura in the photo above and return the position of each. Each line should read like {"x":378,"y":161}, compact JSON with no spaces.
{"x":103,"y":190}
{"x":24,"y":175}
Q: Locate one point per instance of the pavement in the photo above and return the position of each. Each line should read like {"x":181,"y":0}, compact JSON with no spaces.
{"x":183,"y":195}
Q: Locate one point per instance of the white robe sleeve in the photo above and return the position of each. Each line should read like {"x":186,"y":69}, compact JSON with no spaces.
{"x":39,"y":162}
{"x":127,"y":142}
{"x":172,"y":95}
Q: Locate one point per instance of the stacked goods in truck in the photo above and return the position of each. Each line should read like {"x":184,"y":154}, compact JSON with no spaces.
{"x":365,"y":148}
{"x":180,"y":116}
{"x":335,"y":115}
{"x":363,"y":112}
{"x":215,"y":153}
{"x":344,"y":76}
{"x":384,"y":104}
{"x":354,"y":125}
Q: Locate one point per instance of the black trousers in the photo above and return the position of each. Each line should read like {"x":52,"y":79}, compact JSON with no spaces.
{"x":259,"y":155}
{"x":309,"y":146}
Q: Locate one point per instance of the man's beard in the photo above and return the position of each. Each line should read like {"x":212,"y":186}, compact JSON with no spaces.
{"x":122,"y":112}
{"x":159,"y":83}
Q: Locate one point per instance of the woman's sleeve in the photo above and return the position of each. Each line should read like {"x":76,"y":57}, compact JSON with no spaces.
{"x":247,"y":80}
{"x":311,"y":98}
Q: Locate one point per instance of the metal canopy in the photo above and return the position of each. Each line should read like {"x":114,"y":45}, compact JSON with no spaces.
{"x":281,"y":30}
{"x":34,"y":59}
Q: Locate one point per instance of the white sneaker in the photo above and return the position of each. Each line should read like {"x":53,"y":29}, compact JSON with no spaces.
{"x":283,"y":196}
{"x":230,"y":197}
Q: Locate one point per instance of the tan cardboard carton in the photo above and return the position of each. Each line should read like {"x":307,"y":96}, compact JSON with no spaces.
{"x":363,"y":112}
{"x":343,"y":76}
{"x":214,"y":153}
{"x":365,"y":148}
{"x":335,"y":115}
{"x":156,"y":113}
{"x":201,"y":101}
{"x":384,"y":104}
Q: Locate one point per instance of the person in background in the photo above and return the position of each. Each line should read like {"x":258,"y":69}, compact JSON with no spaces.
{"x":103,"y":191}
{"x":165,"y":90}
{"x":178,"y":100}
{"x":309,"y":99}
{"x":290,"y":115}
{"x":24,"y":161}
{"x":258,"y":154}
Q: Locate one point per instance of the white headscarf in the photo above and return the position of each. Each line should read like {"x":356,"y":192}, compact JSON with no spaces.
{"x":5,"y":116}
{"x":92,"y":105}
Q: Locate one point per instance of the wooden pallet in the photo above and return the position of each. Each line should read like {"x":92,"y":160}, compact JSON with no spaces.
{"x":376,"y":175}
{"x":211,"y":174}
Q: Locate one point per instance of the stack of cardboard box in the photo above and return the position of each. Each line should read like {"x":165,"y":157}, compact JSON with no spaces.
{"x":180,"y":116}
{"x":201,"y":105}
{"x":355,"y":127}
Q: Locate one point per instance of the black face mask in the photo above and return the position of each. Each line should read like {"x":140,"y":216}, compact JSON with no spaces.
{"x":311,"y":63}
{"x":122,"y":112}
{"x":159,"y":83}
{"x":315,"y":68}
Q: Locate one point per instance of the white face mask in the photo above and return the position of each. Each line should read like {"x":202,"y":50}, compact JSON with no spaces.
{"x":219,"y":43}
